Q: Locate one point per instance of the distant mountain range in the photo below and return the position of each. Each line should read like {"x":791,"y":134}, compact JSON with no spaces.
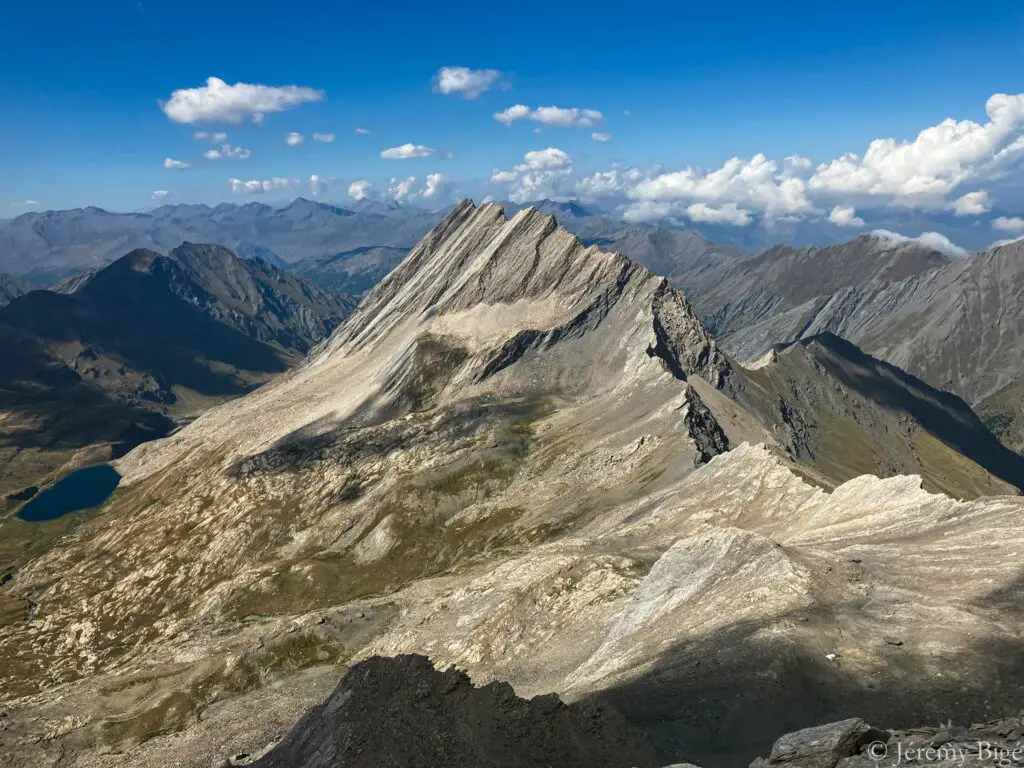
{"x":355,"y":271}
{"x":45,"y":247}
{"x":151,"y":334}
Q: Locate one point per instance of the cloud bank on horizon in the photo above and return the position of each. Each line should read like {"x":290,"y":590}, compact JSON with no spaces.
{"x":960,"y":166}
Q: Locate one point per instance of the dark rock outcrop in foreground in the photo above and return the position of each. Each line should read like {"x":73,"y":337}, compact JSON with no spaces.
{"x":400,"y":712}
{"x":854,"y":744}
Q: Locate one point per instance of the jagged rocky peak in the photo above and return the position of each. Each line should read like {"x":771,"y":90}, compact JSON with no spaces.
{"x":511,"y":286}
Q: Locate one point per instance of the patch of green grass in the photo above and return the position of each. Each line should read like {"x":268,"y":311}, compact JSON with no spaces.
{"x":179,"y":706}
{"x":434,"y":363}
{"x":171,"y":713}
{"x":295,"y":652}
{"x":476,"y":476}
{"x":21,"y":541}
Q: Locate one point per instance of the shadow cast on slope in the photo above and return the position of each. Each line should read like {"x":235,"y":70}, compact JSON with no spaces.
{"x":372,"y":433}
{"x":48,"y":406}
{"x":722,"y":700}
{"x":147,"y":329}
{"x":942,"y":414}
{"x":848,"y":413}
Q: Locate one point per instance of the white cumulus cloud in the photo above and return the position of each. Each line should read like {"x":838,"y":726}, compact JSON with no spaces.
{"x":956,"y":165}
{"x":845,"y":216}
{"x":932,"y":240}
{"x":359,"y":188}
{"x":399,"y":189}
{"x":552,"y":157}
{"x":755,"y":184}
{"x":541,"y":174}
{"x":1008,"y":224}
{"x":362,"y":132}
{"x":172,"y":163}
{"x":256,"y":187}
{"x":971,"y":204}
{"x":596,"y":136}
{"x":939,"y":159}
{"x":218,"y":102}
{"x":160,"y":194}
{"x":434,"y":185}
{"x":226,"y":150}
{"x":513,"y":113}
{"x":293,"y":139}
{"x":647,"y":210}
{"x":406,"y":151}
{"x":503,"y":177}
{"x":729,"y":213}
{"x":326,"y":138}
{"x":559,"y":117}
{"x":608,"y":183}
{"x":467,"y":83}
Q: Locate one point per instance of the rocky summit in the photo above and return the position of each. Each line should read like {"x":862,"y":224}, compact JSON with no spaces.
{"x":526,"y":458}
{"x":401,"y":712}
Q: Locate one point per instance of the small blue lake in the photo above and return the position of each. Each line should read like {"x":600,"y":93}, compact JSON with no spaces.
{"x":82,"y":489}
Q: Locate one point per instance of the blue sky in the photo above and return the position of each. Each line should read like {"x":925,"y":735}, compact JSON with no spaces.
{"x":80,"y":85}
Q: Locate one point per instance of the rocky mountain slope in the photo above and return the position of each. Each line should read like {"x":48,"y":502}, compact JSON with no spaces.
{"x":50,"y":414}
{"x":169,"y":334}
{"x":846,"y":413}
{"x":786,"y":284}
{"x":11,"y":288}
{"x":526,"y":458}
{"x":957,"y":325}
{"x":439,"y":719}
{"x":401,"y":711}
{"x":55,"y":244}
{"x":353,"y":272}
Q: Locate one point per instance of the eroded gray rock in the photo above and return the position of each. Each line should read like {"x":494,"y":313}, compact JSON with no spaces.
{"x":397,"y":712}
{"x":825,"y":745}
